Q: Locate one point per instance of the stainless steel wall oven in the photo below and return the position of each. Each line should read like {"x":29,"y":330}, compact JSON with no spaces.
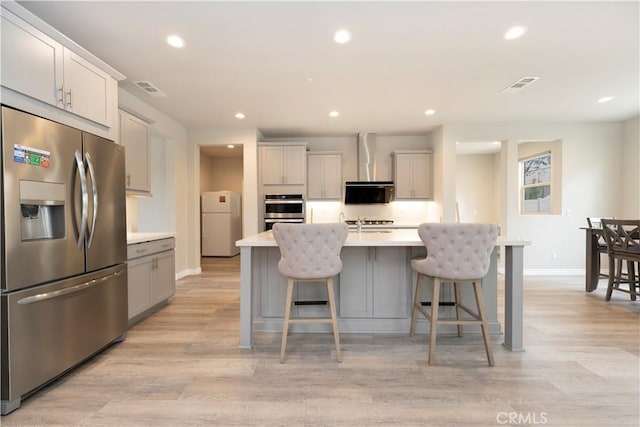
{"x":283,"y":208}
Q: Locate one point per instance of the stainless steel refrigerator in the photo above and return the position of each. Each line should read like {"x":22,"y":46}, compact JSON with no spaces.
{"x":63,"y":282}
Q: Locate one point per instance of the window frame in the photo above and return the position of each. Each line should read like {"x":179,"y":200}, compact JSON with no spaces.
{"x":524,"y":187}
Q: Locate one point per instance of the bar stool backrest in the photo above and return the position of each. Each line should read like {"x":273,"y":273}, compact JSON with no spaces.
{"x":310,"y":251}
{"x":456,"y":251}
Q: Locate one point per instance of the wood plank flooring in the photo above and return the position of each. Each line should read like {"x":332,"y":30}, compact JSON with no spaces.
{"x":182,"y":367}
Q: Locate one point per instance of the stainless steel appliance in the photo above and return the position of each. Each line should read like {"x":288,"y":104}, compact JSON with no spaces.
{"x":63,"y":282}
{"x":283,"y":208}
{"x":368,"y":193}
{"x":367,"y":190}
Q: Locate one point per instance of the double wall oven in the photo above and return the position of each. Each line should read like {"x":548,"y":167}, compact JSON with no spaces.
{"x":283,"y":208}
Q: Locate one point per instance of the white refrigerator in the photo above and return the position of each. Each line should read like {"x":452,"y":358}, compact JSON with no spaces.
{"x":221,"y":225}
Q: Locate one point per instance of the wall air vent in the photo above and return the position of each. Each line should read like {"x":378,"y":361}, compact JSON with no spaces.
{"x":519,"y":85}
{"x":150,"y":89}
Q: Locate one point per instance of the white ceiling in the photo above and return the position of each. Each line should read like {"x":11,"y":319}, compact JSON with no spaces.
{"x":404,"y":58}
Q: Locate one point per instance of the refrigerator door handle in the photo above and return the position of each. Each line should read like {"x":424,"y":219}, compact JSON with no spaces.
{"x":49,"y":295}
{"x":85,"y":198}
{"x":94,"y":190}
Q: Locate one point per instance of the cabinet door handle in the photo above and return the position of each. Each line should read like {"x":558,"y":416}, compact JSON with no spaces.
{"x":61,"y":95}
{"x":128,"y":180}
{"x":69,"y":98}
{"x":141,"y":251}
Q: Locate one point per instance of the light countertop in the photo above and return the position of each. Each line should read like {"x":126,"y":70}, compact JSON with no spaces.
{"x":133,"y":238}
{"x":373,"y":237}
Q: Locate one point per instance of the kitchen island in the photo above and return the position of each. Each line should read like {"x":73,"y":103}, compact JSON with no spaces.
{"x":374,"y":291}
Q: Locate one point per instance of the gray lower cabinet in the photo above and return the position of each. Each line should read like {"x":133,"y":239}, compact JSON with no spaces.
{"x":151,"y":276}
{"x":273,"y":288}
{"x":374,"y":283}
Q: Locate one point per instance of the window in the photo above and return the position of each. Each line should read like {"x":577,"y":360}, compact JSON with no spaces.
{"x":536,"y":184}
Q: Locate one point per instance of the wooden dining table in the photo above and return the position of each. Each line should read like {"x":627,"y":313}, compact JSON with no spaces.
{"x":592,"y":257}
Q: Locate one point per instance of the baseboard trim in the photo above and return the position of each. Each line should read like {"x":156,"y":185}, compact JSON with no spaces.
{"x":553,"y":272}
{"x":188,"y":272}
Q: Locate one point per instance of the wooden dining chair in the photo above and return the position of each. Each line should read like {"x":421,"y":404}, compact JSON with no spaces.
{"x":623,"y":245}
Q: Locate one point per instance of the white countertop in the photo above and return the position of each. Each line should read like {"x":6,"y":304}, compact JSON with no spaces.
{"x":373,"y":237}
{"x":133,"y":238}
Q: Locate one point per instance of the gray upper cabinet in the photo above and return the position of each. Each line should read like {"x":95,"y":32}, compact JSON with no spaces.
{"x":413,"y":174}
{"x":134,"y":135}
{"x":31,"y":61}
{"x":37,"y":66}
{"x":283,"y":164}
{"x":324,"y":175}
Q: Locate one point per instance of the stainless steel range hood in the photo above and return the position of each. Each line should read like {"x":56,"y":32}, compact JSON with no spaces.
{"x":367,"y":190}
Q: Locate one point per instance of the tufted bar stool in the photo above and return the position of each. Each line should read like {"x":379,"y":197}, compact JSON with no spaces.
{"x":458,"y":254}
{"x":310,"y":253}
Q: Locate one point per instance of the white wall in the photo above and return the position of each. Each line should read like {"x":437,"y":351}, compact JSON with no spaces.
{"x":220,"y":173}
{"x":592,"y":180}
{"x":225,"y":173}
{"x":631,"y":170}
{"x":167,"y":209}
{"x":475,"y":188}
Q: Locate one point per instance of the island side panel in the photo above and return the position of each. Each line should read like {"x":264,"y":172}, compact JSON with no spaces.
{"x":246,"y":297}
{"x":513,"y":303}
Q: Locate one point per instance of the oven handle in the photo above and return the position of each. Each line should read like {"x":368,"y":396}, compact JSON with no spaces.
{"x":283,"y":202}
{"x":274,"y":220}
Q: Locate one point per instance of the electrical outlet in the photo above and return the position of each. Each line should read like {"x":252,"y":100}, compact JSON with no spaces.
{"x":554,"y":255}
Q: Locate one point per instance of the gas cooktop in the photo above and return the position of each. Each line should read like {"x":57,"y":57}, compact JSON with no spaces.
{"x":370,"y":222}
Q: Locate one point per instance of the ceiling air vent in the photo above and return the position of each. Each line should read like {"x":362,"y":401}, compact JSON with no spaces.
{"x":150,"y":89}
{"x":519,"y":85}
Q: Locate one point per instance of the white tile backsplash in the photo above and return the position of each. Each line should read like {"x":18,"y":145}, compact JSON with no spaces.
{"x":401,"y":212}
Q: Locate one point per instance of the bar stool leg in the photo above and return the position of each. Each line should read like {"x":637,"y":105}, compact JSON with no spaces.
{"x":485,"y":328}
{"x":417,"y":301}
{"x":458,"y":301}
{"x":287,"y":315}
{"x":334,"y":322}
{"x":435,"y":302}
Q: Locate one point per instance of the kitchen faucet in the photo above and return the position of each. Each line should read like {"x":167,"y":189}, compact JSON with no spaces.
{"x":341,"y":217}
{"x":360,"y":222}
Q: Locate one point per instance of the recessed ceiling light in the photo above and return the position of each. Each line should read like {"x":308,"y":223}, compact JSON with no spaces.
{"x":231,"y":146}
{"x":429,"y":112}
{"x":175,"y":41}
{"x":240,"y":116}
{"x":310,"y":79}
{"x":514,"y":32}
{"x":605,"y":99}
{"x":342,"y":36}
{"x":334,"y":114}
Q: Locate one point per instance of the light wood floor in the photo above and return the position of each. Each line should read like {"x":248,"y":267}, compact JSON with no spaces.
{"x":182,"y":367}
